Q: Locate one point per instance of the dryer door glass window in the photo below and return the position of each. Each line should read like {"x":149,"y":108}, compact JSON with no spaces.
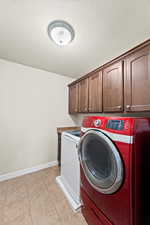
{"x":101,"y":162}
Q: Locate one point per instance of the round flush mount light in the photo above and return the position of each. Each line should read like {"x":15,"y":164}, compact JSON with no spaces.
{"x":61,"y":32}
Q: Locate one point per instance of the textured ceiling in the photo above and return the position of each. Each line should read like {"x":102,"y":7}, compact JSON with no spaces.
{"x":104,"y":30}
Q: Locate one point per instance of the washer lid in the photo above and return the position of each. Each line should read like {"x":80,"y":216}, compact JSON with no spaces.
{"x":101,"y":162}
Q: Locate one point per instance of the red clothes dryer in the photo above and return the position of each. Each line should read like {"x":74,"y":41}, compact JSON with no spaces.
{"x":114,"y":155}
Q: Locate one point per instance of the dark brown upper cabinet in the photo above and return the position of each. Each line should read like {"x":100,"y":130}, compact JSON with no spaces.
{"x":137,"y":81}
{"x":113,"y":88}
{"x":73,"y":98}
{"x":95,"y":92}
{"x":83,"y":95}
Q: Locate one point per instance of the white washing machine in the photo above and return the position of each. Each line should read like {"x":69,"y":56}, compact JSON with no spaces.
{"x":69,"y":179}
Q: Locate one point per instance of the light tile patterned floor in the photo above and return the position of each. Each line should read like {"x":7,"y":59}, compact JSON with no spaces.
{"x":36,"y":199}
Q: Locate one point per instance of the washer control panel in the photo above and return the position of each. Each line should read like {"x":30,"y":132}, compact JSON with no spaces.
{"x":115,"y":124}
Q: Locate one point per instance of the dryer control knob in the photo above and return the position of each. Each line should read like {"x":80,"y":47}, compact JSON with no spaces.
{"x":97,"y":123}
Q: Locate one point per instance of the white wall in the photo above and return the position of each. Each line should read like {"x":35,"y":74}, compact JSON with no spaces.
{"x":32,"y":104}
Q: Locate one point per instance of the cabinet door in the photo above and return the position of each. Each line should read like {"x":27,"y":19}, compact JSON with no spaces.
{"x":83,"y":95}
{"x":113,"y":88}
{"x":95,"y":92}
{"x":73,"y":98}
{"x":137,"y":81}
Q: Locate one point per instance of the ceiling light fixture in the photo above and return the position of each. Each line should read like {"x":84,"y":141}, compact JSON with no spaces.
{"x":61,"y":32}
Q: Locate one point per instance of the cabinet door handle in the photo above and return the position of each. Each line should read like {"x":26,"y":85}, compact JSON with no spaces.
{"x":128,"y":106}
{"x":119,"y":107}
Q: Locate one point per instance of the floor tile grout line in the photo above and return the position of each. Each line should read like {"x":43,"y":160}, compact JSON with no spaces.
{"x":29,"y":204}
{"x":47,"y":193}
{"x":55,"y":207}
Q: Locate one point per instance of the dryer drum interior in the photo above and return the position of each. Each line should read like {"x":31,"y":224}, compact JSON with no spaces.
{"x":101,"y":162}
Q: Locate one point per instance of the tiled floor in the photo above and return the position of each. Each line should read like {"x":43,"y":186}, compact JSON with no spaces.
{"x":36,"y":199}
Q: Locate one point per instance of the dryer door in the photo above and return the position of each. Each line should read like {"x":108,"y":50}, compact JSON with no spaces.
{"x":101,"y":162}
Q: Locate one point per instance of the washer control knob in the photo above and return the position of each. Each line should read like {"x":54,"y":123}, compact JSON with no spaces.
{"x":97,"y":123}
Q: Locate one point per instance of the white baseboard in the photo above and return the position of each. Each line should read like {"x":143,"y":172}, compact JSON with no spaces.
{"x":75,"y":205}
{"x":18,"y":173}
